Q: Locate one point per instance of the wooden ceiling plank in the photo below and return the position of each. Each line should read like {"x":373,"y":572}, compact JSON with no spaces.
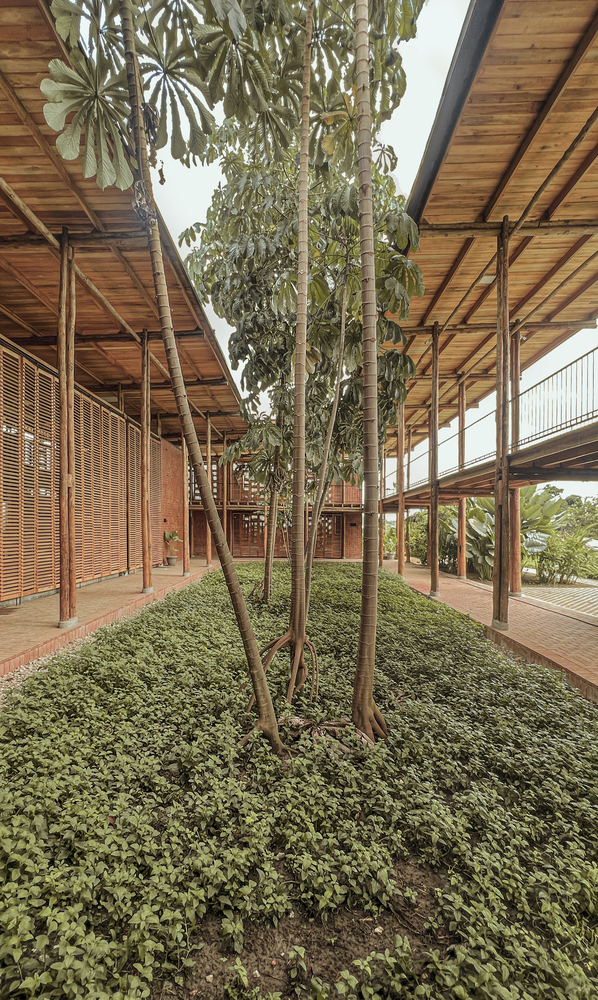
{"x":549,"y":274}
{"x":468,"y":244}
{"x":489,"y":288}
{"x":571,"y":183}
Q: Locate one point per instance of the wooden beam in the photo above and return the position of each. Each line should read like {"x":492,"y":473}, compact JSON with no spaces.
{"x":490,"y":288}
{"x":500,"y":577}
{"x":468,"y":244}
{"x":433,"y":522}
{"x":535,"y":474}
{"x":96,"y":241}
{"x":556,"y":93}
{"x":490,"y":230}
{"x":146,"y":530}
{"x":569,"y":253}
{"x":103,"y":338}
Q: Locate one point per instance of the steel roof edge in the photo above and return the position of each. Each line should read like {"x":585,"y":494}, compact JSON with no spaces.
{"x":476,"y":32}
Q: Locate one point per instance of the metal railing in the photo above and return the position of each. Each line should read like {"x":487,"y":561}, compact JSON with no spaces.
{"x":557,"y":403}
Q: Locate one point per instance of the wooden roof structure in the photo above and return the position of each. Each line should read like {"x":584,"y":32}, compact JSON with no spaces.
{"x":39,"y":194}
{"x":516,"y":134}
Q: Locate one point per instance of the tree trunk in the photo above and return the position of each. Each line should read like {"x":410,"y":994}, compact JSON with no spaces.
{"x":366,"y":716}
{"x":322,"y":479}
{"x":144,"y":198}
{"x":295,"y":637}
{"x":272,"y":516}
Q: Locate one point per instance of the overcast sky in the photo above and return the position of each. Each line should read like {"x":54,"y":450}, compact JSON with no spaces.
{"x":186,"y":196}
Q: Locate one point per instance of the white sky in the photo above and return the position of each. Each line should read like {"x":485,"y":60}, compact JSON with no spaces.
{"x":186,"y":196}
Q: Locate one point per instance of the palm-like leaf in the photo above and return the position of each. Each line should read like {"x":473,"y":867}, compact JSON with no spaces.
{"x":96,"y":96}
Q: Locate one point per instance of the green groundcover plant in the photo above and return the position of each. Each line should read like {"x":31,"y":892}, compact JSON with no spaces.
{"x":128,"y":812}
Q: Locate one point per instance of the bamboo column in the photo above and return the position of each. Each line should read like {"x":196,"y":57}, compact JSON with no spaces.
{"x":120,"y":398}
{"x":70,"y":393}
{"x":407,"y":539}
{"x":381,"y":509}
{"x":434,"y":571}
{"x":209,"y":470}
{"x":225,"y":469}
{"x":514,"y":494}
{"x":146,"y":534}
{"x":500,"y":577}
{"x":186,"y":547}
{"x":401,"y":489}
{"x":61,"y":345}
{"x":462,"y":516}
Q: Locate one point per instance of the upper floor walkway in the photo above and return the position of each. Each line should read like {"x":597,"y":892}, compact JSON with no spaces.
{"x":553,"y":435}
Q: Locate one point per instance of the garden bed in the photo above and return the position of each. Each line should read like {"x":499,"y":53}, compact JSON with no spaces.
{"x":143,"y":853}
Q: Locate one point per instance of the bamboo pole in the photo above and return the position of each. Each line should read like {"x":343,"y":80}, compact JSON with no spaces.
{"x":500,"y":577}
{"x":64,"y":619}
{"x":70,"y":392}
{"x":462,"y":516}
{"x":407,"y":527}
{"x":146,"y":536}
{"x":514,"y":494}
{"x":186,"y":547}
{"x":381,"y":508}
{"x":434,"y":570}
{"x":209,"y":471}
{"x":401,"y":488}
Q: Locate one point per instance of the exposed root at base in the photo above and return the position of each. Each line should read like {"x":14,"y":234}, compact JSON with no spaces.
{"x":299,"y":671}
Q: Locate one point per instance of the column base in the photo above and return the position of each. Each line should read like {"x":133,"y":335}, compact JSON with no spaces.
{"x":501,"y":626}
{"x":462,"y":578}
{"x":515,"y":593}
{"x":68,"y":624}
{"x":147,"y":590}
{"x":434,"y":593}
{"x":186,"y":574}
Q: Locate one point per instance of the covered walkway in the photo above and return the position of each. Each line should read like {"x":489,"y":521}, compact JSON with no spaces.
{"x":28,"y":631}
{"x":552,"y":636}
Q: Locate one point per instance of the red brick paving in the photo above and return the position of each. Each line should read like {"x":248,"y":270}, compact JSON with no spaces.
{"x":555,"y":637}
{"x":29,"y":630}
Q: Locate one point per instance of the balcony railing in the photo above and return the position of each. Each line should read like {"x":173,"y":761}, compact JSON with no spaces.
{"x":556,"y":404}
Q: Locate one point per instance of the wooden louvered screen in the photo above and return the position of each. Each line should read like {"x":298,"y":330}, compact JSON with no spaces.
{"x":107,"y":492}
{"x":329,"y":544}
{"x":29,"y":463}
{"x":247,"y":534}
{"x":157,"y":521}
{"x":134,"y":507}
{"x":217,"y":483}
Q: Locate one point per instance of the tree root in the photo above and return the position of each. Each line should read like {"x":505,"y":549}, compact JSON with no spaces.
{"x":299,"y":671}
{"x":370,"y":722}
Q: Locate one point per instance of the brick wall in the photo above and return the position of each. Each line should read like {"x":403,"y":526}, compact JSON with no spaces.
{"x":353,"y":535}
{"x":172,"y":492}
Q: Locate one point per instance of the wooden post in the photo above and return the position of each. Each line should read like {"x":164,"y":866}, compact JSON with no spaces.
{"x":159,"y":424}
{"x":401,"y":489}
{"x":462,"y":516}
{"x":64,"y":621}
{"x":381,"y":510}
{"x":70,"y":392}
{"x":146,"y":533}
{"x":225,"y":469}
{"x":186,"y":547}
{"x":209,"y":470}
{"x":500,"y":577}
{"x":407,"y":539}
{"x":434,"y":571}
{"x":514,"y":494}
{"x":120,"y":399}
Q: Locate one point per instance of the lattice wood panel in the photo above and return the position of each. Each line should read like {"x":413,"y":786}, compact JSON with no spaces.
{"x":156,"y":502}
{"x":134,"y":496}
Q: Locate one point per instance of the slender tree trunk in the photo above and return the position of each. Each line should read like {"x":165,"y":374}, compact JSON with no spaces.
{"x":366,"y":716}
{"x":272,"y":516}
{"x":295,"y":637}
{"x":143,"y":193}
{"x":323,"y":478}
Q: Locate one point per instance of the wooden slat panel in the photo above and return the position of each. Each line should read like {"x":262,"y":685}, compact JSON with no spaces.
{"x":134,"y":510}
{"x":156,"y":502}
